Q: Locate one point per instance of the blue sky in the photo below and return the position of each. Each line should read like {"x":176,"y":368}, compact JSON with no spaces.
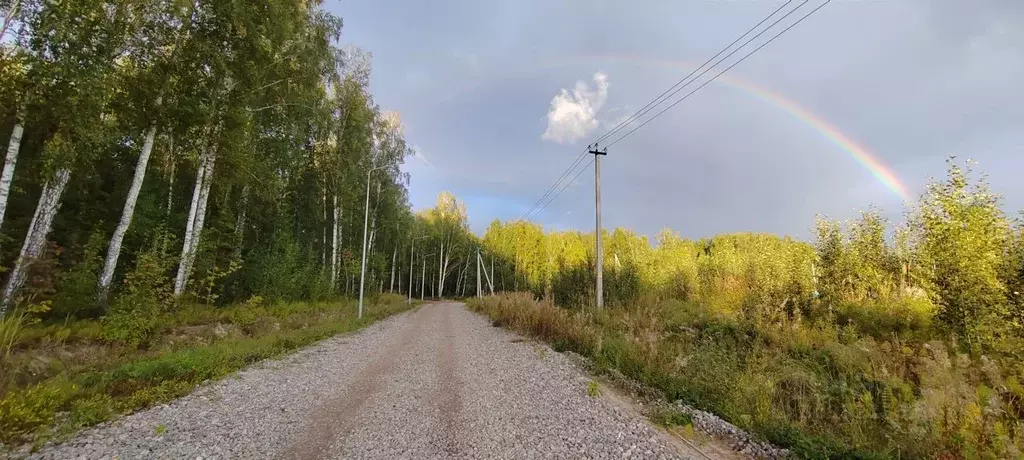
{"x":913,"y":81}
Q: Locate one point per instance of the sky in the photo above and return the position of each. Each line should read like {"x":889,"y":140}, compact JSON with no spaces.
{"x":499,"y":98}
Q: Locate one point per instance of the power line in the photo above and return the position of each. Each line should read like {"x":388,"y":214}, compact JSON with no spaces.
{"x":724,"y":58}
{"x":548,"y":198}
{"x":552,"y":196}
{"x":661,"y":97}
{"x":553,"y":186}
{"x":734,"y":64}
{"x":565,"y":186}
{"x":535,"y":208}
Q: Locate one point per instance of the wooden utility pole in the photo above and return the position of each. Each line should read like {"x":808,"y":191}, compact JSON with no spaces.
{"x":599,"y":290}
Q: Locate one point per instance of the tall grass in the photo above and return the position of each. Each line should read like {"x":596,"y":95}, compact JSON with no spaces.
{"x":822,"y":390}
{"x":97,"y":379}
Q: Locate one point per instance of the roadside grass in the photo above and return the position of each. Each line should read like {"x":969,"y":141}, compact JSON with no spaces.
{"x":59,"y":378}
{"x":818,"y":389}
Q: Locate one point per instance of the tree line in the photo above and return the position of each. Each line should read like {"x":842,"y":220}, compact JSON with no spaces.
{"x":957,"y":263}
{"x":202,"y":150}
{"x":872,"y":340}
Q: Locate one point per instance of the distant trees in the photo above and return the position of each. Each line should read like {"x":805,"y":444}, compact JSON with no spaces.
{"x":958,"y":262}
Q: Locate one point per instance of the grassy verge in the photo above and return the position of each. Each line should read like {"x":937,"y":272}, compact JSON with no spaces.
{"x":820,"y":390}
{"x":60,"y":378}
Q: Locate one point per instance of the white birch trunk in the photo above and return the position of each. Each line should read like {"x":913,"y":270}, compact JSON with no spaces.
{"x":323,"y":247}
{"x":445,"y":260}
{"x":114,"y":249}
{"x":240,"y":222}
{"x":189,"y":225}
{"x":201,"y":214}
{"x":373,"y":235}
{"x":170,"y":188}
{"x":458,"y":281}
{"x":13,"y":147}
{"x":194,"y":226}
{"x":35,"y":240}
{"x":440,"y":265}
{"x":340,"y":241}
{"x":334,"y":243}
{"x":394,"y":256}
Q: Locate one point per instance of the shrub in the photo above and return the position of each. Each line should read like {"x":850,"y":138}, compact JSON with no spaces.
{"x":76,"y":288}
{"x":133,"y":327}
{"x":134,"y":317}
{"x":962,"y":236}
{"x":92,"y":410}
{"x":669,"y":417}
{"x":24,"y":411}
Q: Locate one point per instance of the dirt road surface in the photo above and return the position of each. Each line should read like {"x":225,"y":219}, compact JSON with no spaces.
{"x":438,"y":382}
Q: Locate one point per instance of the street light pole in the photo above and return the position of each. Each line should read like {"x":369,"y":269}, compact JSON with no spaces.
{"x":366,"y":223}
{"x":423,"y":276}
{"x":412,"y":244}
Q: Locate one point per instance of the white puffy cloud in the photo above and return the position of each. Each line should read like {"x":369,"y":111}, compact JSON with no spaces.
{"x":573,"y":115}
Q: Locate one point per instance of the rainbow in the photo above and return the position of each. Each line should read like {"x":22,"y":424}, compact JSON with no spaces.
{"x":872,"y":163}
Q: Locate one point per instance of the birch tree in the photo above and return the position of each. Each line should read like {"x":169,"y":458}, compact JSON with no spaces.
{"x":249,"y":103}
{"x":76,"y":46}
{"x":14,"y":61}
{"x":153,"y":61}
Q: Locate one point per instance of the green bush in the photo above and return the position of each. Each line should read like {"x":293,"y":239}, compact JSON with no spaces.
{"x":132,"y":327}
{"x":22,"y":412}
{"x":92,"y":410}
{"x":247,"y":318}
{"x":963,"y":238}
{"x":670,"y":417}
{"x":134,"y":317}
{"x":76,"y":287}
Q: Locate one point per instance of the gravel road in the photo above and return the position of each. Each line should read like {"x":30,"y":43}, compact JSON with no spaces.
{"x":438,"y":382}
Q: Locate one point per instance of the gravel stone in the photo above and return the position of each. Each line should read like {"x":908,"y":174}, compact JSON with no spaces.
{"x":438,"y":382}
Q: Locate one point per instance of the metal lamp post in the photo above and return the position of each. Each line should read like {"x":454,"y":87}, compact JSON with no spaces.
{"x":411,"y":246}
{"x":366,"y":223}
{"x":423,"y":277}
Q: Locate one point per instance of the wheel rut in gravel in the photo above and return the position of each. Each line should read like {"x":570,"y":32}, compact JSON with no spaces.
{"x":446,"y":398}
{"x":334,"y":418}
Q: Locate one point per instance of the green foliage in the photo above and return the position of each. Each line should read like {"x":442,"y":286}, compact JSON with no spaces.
{"x":132,"y":327}
{"x":247,"y":317}
{"x":294,"y":131}
{"x":92,"y":391}
{"x":669,"y":417}
{"x":823,"y":391}
{"x":92,"y":410}
{"x":593,"y":389}
{"x":206,"y":285}
{"x":962,"y":243}
{"x":133,"y":318}
{"x":22,"y":412}
{"x":12,"y":333}
{"x":76,"y":288}
{"x":288,"y":116}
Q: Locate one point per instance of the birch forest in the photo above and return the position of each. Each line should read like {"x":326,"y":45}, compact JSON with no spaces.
{"x":161,"y":153}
